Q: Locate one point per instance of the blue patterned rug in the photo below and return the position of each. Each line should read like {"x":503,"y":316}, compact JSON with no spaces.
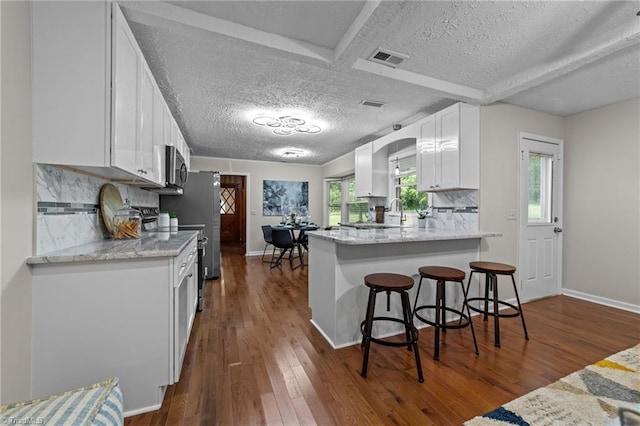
{"x":590,"y":396}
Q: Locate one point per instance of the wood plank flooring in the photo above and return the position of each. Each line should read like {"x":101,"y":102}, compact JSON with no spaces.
{"x":254,"y":358}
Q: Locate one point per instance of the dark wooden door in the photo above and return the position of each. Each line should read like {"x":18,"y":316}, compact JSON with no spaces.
{"x":232,"y":209}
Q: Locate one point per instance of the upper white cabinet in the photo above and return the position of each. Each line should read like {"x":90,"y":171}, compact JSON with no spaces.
{"x":448,"y":149}
{"x":371,"y":172}
{"x":127,"y":92}
{"x":95,"y":101}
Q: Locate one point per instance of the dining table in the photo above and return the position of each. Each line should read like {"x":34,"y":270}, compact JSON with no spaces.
{"x":298,"y":235}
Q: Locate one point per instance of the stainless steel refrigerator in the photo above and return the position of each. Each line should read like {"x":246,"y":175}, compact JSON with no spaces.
{"x":200,"y":204}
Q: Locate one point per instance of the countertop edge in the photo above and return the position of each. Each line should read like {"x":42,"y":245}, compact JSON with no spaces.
{"x":93,"y":255}
{"x":412,"y":237}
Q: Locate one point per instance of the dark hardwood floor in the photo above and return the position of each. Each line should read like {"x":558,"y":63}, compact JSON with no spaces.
{"x":254,"y":358}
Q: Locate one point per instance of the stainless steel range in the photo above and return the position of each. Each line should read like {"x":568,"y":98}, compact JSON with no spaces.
{"x":150,"y":224}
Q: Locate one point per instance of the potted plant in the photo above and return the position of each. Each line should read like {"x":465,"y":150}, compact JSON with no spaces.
{"x":422,"y":217}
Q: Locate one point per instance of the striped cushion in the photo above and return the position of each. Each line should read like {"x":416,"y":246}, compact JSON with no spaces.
{"x":99,"y":404}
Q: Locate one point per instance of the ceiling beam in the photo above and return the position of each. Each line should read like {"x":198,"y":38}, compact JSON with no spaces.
{"x":600,"y":47}
{"x":447,"y":88}
{"x":176,"y":17}
{"x":355,"y":27}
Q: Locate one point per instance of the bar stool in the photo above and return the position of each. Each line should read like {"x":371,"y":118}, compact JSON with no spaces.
{"x":441,"y":275}
{"x":388,"y":283}
{"x":491,"y":271}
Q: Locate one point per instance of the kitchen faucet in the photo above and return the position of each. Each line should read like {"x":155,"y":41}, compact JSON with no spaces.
{"x":399,"y":205}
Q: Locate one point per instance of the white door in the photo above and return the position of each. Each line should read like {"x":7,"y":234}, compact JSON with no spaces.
{"x":540,"y":260}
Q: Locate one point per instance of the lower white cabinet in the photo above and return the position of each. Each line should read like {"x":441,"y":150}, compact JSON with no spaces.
{"x":124,"y":318}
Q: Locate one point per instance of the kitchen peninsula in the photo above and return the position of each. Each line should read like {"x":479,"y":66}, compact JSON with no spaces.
{"x":340,"y":258}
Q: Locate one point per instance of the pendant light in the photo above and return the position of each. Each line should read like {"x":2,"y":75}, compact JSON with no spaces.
{"x":397,"y":171}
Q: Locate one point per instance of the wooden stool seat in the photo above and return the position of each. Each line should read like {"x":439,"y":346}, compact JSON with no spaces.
{"x":442,"y":275}
{"x":493,"y":268}
{"x":388,"y":283}
{"x":491,"y":271}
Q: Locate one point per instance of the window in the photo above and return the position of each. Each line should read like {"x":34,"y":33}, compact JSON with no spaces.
{"x":540,"y":187}
{"x":228,"y":201}
{"x":335,"y":202}
{"x":404,"y":184}
{"x":343,"y":205}
{"x":357,"y":208}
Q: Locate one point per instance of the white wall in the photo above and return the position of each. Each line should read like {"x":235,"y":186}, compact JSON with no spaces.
{"x":256,"y":172}
{"x":602,"y":202}
{"x":16,"y":202}
{"x":500,"y":125}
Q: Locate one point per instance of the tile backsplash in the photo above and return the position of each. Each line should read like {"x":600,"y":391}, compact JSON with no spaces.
{"x":454,"y":210}
{"x":68,"y":207}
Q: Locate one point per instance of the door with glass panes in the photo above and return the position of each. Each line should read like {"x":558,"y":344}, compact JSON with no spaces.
{"x":540,"y":260}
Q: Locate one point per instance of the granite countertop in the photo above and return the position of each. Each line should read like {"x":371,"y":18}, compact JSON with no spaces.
{"x":352,"y":236}
{"x":149,"y":245}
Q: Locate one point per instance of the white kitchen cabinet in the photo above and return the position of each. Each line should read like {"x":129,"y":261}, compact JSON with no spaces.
{"x":125,"y":318}
{"x":448,"y":149}
{"x":127,"y":92}
{"x":159,"y":151}
{"x":93,"y":93}
{"x":372,"y":171}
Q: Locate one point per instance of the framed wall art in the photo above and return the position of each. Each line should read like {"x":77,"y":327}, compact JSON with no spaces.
{"x":281,"y":197}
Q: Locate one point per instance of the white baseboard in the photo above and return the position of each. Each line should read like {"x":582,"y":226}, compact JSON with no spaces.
{"x":602,"y":300}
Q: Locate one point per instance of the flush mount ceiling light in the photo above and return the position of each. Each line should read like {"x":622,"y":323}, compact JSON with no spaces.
{"x":292,"y":153}
{"x":286,"y":125}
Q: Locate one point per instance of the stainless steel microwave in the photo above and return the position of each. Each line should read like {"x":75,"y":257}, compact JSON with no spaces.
{"x":177,"y":172}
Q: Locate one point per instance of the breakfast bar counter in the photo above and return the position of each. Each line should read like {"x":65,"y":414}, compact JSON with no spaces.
{"x":340,"y":258}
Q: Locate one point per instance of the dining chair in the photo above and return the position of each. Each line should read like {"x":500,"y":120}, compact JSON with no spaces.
{"x":282,"y":239}
{"x":266,"y":234}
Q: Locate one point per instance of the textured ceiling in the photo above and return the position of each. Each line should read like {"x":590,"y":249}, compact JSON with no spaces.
{"x":219,"y":64}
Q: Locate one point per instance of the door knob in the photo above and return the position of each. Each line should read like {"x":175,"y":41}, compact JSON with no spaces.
{"x":557,"y":230}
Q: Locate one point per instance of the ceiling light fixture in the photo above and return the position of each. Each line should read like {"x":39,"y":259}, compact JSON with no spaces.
{"x":286,"y":125}
{"x":292,"y":153}
{"x":397,"y":171}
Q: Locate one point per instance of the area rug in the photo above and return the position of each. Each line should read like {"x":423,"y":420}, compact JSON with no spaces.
{"x":590,"y":396}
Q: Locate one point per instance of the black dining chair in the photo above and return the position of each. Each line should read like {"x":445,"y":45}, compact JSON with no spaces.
{"x":282,"y":239}
{"x":266,"y":234}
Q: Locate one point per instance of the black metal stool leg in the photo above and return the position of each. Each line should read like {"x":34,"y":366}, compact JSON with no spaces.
{"x":524,"y":326}
{"x":436,"y":343}
{"x":443,"y":307}
{"x":465,"y":304}
{"x":496,"y":311}
{"x":487,"y":285}
{"x":366,"y":338}
{"x":415,"y":302}
{"x":408,"y":318}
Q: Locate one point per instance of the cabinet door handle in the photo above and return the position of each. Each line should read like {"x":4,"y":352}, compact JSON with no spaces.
{"x":184,"y":264}
{"x":190,"y":275}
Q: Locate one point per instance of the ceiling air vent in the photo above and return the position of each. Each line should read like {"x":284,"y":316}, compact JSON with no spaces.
{"x":387,"y":57}
{"x":374,"y":104}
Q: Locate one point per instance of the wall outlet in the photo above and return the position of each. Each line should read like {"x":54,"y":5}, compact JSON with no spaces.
{"x":512,"y":214}
{"x":253,"y":212}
